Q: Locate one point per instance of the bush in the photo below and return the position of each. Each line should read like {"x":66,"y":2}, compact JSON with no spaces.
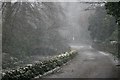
{"x":31,"y":71}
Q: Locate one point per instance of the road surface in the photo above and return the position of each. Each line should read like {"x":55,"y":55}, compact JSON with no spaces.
{"x":89,"y":63}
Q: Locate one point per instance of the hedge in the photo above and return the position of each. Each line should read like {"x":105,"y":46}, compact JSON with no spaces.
{"x":31,"y":71}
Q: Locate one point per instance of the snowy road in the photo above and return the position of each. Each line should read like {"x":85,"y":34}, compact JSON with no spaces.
{"x":89,"y":63}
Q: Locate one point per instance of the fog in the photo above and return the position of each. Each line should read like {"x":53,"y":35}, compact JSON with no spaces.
{"x":75,"y":27}
{"x":38,"y":31}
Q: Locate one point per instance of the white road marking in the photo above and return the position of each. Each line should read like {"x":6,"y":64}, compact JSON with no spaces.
{"x":81,"y":47}
{"x":103,"y":53}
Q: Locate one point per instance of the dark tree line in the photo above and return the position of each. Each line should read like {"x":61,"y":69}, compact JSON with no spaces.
{"x":113,"y":8}
{"x":101,"y":25}
{"x":32,"y":28}
{"x":104,"y":27}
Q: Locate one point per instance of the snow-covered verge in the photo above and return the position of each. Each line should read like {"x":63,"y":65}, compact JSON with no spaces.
{"x":38,"y":69}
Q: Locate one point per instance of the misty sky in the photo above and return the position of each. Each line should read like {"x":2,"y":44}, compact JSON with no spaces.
{"x":76,"y":24}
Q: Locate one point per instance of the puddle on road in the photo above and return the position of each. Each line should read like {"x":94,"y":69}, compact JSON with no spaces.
{"x":89,"y":56}
{"x":89,"y":59}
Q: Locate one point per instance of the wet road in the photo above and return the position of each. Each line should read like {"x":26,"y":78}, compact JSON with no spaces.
{"x":89,"y":63}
